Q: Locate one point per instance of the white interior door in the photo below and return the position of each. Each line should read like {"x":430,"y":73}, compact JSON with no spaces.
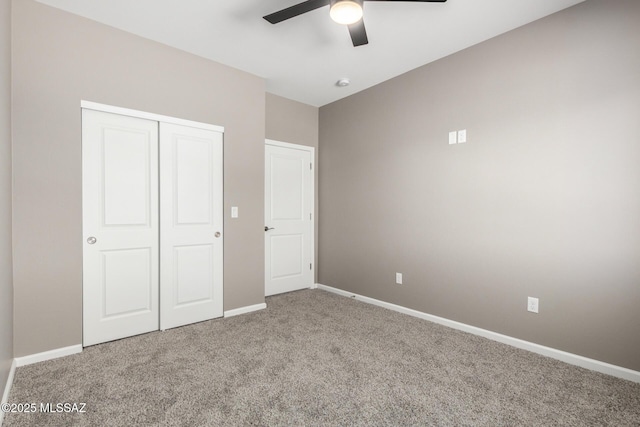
{"x":120,"y":226}
{"x":191,"y":241}
{"x":289,"y":197}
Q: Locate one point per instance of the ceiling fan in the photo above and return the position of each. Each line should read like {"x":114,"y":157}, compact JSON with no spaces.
{"x":346,"y":12}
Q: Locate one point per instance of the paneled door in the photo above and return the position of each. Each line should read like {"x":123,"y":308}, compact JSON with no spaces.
{"x":191,"y":240}
{"x":289,"y":200}
{"x":120,"y":226}
{"x":152,"y":222}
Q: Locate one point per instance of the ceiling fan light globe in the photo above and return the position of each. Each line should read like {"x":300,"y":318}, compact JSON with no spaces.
{"x":346,"y":12}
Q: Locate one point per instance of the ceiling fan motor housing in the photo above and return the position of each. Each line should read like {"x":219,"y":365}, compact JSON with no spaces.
{"x":346,"y":12}
{"x":360,"y":2}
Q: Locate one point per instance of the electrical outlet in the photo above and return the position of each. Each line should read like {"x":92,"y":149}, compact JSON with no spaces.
{"x":532,"y":304}
{"x":399,"y":278}
{"x":462,"y":136}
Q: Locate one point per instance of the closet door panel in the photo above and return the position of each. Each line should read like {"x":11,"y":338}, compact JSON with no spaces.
{"x":191,"y":225}
{"x":127,"y":282}
{"x":120,"y":226}
{"x":193,"y":268}
{"x":193,"y":181}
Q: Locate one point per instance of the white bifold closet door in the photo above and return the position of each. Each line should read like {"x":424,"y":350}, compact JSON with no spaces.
{"x":152,"y":224}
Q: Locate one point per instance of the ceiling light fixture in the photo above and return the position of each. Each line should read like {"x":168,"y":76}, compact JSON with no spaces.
{"x":346,"y":12}
{"x":343,"y":82}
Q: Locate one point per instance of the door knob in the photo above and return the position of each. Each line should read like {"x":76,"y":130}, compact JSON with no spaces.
{"x":217,"y":234}
{"x":268,"y":228}
{"x":92,"y":240}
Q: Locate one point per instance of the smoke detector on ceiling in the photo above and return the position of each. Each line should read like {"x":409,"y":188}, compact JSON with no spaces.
{"x":343,"y":82}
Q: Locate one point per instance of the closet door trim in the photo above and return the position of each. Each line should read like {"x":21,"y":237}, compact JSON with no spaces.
{"x":89,"y":105}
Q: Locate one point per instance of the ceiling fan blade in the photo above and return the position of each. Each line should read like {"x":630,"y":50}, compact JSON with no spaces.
{"x":358,"y":33}
{"x":293,"y":11}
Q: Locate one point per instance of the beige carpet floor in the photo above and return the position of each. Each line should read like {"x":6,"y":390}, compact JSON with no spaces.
{"x":317,"y":359}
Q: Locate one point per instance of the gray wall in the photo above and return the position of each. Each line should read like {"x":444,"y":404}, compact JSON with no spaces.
{"x":295,"y":123}
{"x":543,"y":201}
{"x":60,"y":59}
{"x":6,"y":285}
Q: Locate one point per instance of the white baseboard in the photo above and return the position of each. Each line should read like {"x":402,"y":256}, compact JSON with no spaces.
{"x":314,"y":286}
{"x":573,"y":359}
{"x":7,"y":387}
{"x":48,"y":355}
{"x":245,"y":310}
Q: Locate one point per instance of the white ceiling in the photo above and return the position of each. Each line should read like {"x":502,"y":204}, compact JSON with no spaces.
{"x":302,"y":58}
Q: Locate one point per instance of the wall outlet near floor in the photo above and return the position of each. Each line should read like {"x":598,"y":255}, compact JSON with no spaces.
{"x":532,"y":304}
{"x":399,"y":278}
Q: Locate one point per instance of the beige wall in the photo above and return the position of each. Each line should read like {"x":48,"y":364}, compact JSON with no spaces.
{"x":60,"y":59}
{"x":6,"y":285}
{"x":295,"y":123}
{"x":543,"y":201}
{"x":291,"y":121}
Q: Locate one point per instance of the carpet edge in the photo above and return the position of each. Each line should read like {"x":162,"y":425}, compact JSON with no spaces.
{"x":563,"y":356}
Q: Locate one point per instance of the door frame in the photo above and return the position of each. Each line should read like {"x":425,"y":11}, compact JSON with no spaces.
{"x":312,"y":153}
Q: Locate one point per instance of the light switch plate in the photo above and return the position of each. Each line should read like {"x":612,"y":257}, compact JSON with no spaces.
{"x":234,"y":212}
{"x":462,"y":136}
{"x":453,"y":137}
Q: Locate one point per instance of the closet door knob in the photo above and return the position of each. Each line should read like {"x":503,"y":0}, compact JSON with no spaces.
{"x":218,"y":234}
{"x":92,"y":240}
